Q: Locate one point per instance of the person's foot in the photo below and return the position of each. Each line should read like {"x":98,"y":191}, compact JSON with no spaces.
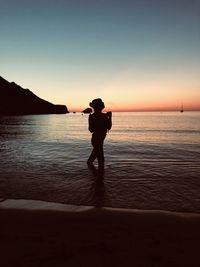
{"x":90,"y":163}
{"x":92,"y":167}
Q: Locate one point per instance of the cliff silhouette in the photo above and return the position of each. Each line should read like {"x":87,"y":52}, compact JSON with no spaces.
{"x":14,"y":100}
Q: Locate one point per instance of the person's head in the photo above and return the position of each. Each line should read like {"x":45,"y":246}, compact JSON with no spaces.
{"x":97,"y":104}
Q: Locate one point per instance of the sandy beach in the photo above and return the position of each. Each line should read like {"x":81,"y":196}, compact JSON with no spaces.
{"x":36,"y":233}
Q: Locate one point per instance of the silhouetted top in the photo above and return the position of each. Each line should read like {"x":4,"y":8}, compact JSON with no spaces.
{"x":99,"y":123}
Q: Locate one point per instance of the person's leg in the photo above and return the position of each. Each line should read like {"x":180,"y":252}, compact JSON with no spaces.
{"x":93,"y":154}
{"x":97,"y":152}
{"x":100,"y":152}
{"x":92,"y":157}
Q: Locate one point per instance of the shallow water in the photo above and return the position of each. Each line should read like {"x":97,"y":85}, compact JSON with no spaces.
{"x":152,"y":160}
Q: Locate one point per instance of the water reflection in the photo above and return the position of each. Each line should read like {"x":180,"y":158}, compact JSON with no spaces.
{"x":98,"y":186}
{"x":17,"y":126}
{"x":99,"y":192}
{"x":44,"y":157}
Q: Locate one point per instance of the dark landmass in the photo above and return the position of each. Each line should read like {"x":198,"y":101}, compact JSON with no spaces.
{"x":87,"y":111}
{"x":14,"y":100}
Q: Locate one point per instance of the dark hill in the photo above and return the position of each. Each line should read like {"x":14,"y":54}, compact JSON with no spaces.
{"x":14,"y":100}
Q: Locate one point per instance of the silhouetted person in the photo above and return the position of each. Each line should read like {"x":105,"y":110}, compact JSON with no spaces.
{"x":99,"y":124}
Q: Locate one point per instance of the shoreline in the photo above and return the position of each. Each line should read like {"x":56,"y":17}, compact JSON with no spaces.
{"x":37,"y":233}
{"x":40,"y":205}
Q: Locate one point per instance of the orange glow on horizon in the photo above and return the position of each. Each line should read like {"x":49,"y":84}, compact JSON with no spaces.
{"x":145,"y":108}
{"x":145,"y":105}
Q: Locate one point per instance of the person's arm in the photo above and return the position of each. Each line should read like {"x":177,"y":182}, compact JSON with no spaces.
{"x":91,"y":124}
{"x":109,"y":120}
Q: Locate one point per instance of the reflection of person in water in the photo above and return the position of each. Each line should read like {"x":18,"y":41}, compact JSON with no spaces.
{"x":99,"y":124}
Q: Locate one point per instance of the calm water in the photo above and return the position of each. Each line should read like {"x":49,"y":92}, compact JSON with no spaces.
{"x":152,"y":160}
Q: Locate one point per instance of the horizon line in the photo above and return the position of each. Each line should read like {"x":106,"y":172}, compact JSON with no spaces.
{"x":158,"y":110}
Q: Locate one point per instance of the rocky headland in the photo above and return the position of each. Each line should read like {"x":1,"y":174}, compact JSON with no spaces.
{"x":15,"y":100}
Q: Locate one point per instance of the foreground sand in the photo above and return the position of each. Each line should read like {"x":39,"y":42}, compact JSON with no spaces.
{"x":35,"y":233}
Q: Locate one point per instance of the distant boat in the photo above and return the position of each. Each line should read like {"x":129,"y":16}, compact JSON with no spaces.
{"x":181,"y":108}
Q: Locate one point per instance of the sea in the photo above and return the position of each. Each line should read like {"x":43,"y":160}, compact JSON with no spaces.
{"x":152,"y":160}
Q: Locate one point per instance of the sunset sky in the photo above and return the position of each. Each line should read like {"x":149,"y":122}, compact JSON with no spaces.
{"x":136,"y":54}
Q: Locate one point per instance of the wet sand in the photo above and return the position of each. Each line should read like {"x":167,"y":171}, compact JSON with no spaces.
{"x":36,"y":233}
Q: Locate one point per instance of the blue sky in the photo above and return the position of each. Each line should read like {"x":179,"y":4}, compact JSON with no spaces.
{"x":134,"y":54}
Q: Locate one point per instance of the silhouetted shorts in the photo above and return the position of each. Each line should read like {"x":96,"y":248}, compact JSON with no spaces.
{"x":98,"y":139}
